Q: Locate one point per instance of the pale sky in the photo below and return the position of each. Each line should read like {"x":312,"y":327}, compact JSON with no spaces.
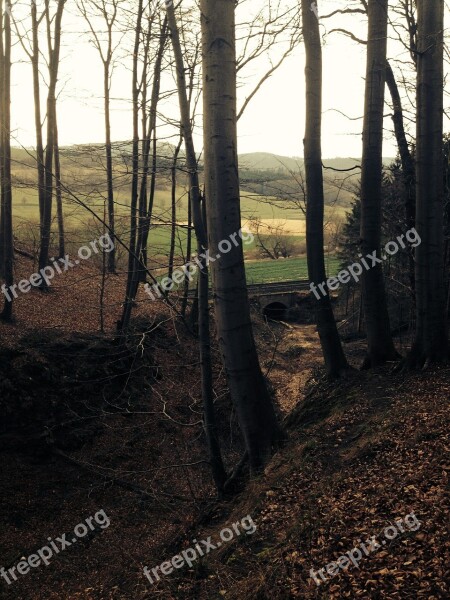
{"x":273,"y":121}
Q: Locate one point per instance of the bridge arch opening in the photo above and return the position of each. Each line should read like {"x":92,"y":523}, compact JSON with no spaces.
{"x":276,"y":311}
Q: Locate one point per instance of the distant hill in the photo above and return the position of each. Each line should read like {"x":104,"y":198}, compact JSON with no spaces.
{"x":265,"y":161}
{"x":253,"y":161}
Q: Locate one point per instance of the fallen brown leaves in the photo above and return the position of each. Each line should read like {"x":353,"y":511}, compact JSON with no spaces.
{"x":381,"y":453}
{"x":362,"y":454}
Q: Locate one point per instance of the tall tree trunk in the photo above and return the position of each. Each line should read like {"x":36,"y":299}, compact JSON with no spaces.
{"x":132,"y":259}
{"x":173,"y":228}
{"x":215,"y":456}
{"x":335,"y":361}
{"x":234,"y":329}
{"x":408,"y":167}
{"x":108,"y":11}
{"x":149,"y":147}
{"x":209,"y":415}
{"x":431,"y":341}
{"x":109,"y":164}
{"x":379,"y":339}
{"x":403,"y":148}
{"x":37,"y":113}
{"x":58,"y":196}
{"x":51,"y":123}
{"x":6,"y":226}
{"x":188,"y":257}
{"x":2,"y":144}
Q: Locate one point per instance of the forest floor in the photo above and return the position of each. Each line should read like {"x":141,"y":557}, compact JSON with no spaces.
{"x":86,"y":427}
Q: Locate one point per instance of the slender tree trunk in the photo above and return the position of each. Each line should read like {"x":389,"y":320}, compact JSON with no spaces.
{"x":335,"y":361}
{"x":108,"y":11}
{"x":210,"y":422}
{"x":132,"y":261}
{"x":408,"y":167}
{"x":173,"y":228}
{"x":6,"y":226}
{"x":2,"y":145}
{"x":188,"y":257}
{"x":37,"y":113}
{"x":109,"y":165}
{"x":151,"y":200}
{"x":403,"y":148}
{"x":58,"y":196}
{"x":217,"y":467}
{"x":234,"y":329}
{"x":147,"y":209}
{"x":431,"y":341}
{"x":380,"y":344}
{"x":51,"y":123}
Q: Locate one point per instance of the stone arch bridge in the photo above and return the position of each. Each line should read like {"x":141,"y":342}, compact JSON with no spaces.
{"x":276,"y":299}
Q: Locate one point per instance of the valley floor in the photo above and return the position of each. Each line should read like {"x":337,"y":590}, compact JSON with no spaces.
{"x":98,"y":427}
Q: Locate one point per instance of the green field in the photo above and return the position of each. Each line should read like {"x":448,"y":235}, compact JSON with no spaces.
{"x":25,"y":207}
{"x":288,"y":269}
{"x":81,"y":227}
{"x":267,"y":207}
{"x":276,"y":271}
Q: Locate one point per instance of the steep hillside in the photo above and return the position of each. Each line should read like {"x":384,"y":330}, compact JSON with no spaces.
{"x":364,"y":481}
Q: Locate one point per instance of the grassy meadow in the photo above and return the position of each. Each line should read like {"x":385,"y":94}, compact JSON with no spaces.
{"x":84,"y":199}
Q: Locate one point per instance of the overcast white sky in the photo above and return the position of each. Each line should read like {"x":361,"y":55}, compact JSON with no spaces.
{"x":273,"y":122}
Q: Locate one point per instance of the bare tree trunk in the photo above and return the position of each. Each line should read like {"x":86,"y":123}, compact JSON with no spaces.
{"x":431,"y":341}
{"x":53,"y":51}
{"x":403,"y":148}
{"x":234,"y":329}
{"x":173,"y":228}
{"x":2,"y":145}
{"x":37,"y":112}
{"x":132,"y":261}
{"x":217,"y":467}
{"x":151,"y":200}
{"x":210,"y":421}
{"x":188,"y":257}
{"x":109,"y":165}
{"x":335,"y":361}
{"x":58,"y":196}
{"x":6,"y":230}
{"x":408,"y":167}
{"x":380,"y":344}
{"x":108,"y":12}
{"x":147,"y":208}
